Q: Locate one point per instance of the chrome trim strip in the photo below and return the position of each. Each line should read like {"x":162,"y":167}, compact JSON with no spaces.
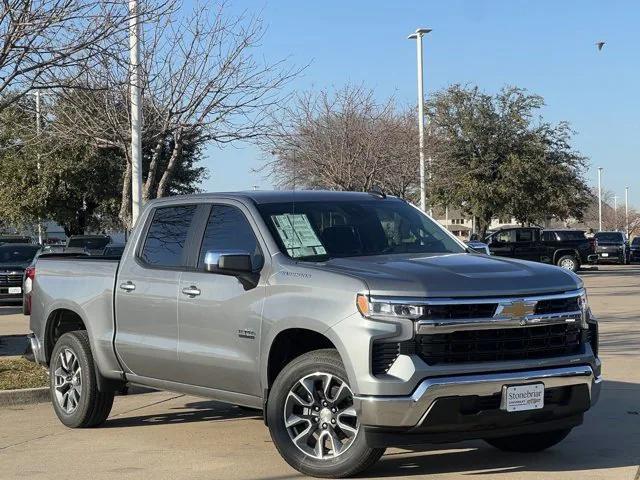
{"x":471,"y":300}
{"x":449,"y":326}
{"x":410,"y":411}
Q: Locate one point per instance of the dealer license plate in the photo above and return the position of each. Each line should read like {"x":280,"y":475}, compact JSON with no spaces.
{"x":605,"y":254}
{"x":516,"y":398}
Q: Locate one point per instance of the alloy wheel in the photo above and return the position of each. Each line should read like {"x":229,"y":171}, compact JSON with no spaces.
{"x":68,"y":380}
{"x":568,"y":263}
{"x":320,"y":417}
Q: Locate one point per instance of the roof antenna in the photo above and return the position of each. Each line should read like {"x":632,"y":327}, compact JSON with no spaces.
{"x":377,"y":191}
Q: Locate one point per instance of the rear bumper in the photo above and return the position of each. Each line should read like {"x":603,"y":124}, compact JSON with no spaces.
{"x":435,"y":411}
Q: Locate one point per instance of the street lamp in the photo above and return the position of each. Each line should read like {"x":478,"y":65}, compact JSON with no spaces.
{"x":600,"y":198}
{"x":626,"y":210}
{"x":615,"y":211}
{"x":419,"y":33}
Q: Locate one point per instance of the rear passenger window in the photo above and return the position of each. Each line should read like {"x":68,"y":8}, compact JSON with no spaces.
{"x":228,"y":231}
{"x":524,"y":235}
{"x":167,"y":235}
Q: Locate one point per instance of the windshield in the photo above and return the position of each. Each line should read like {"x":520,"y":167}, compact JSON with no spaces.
{"x":90,"y":243}
{"x":636,"y":242}
{"x":17,"y":254}
{"x":609,"y":237}
{"x":318,"y":231}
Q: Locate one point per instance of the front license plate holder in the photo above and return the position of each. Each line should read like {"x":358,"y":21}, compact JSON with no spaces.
{"x":519,"y":398}
{"x":13,"y":290}
{"x":605,"y":254}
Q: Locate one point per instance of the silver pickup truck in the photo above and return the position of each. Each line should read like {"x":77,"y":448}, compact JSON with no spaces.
{"x":353,"y":320}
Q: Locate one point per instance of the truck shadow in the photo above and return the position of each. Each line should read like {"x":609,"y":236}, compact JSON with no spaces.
{"x":609,"y":438}
{"x":204,"y":411}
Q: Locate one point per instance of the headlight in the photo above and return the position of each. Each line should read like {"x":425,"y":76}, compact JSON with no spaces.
{"x":387,"y":309}
{"x":583,"y":303}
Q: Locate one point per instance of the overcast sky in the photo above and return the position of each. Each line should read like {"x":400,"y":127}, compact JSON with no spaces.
{"x":545,"y":46}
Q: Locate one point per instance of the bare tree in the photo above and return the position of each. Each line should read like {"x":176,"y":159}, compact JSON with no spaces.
{"x":345,"y":141}
{"x":202,"y":82}
{"x":43,"y":42}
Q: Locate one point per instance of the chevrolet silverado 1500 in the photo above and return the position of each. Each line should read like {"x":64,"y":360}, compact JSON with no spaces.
{"x":353,"y":320}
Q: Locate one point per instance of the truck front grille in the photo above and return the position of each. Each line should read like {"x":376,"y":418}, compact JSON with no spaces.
{"x":496,"y":344}
{"x":10,"y":279}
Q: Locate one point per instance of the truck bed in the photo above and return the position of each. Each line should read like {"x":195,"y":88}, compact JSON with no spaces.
{"x":84,"y":285}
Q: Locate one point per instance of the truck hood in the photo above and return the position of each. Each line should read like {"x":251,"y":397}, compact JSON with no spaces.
{"x":454,"y":275}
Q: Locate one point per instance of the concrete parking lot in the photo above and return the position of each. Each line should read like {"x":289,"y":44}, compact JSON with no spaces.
{"x":163,"y":435}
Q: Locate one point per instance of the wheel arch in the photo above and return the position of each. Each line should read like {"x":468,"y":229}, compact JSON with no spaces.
{"x":565,"y":251}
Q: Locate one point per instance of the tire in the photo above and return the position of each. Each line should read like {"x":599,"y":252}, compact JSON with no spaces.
{"x":72,"y":366}
{"x":568,"y":262}
{"x":533,"y":442}
{"x":318,"y":368}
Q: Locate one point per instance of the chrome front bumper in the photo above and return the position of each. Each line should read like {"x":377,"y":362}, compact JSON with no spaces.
{"x":411,"y":411}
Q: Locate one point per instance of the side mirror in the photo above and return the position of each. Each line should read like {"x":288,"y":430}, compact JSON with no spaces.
{"x":228,"y":262}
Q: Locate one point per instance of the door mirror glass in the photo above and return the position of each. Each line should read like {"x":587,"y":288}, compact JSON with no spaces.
{"x":228,"y":262}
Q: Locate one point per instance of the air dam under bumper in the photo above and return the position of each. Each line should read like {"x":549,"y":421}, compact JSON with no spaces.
{"x":437,"y":412}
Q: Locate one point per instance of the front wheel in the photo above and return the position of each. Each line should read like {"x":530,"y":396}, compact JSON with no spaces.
{"x":312,"y":419}
{"x":534,"y":442}
{"x":74,"y":388}
{"x":569,"y":262}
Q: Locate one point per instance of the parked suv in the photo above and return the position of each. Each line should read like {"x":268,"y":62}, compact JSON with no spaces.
{"x":634,"y":250}
{"x":14,"y":259}
{"x":352,"y":319}
{"x":612,"y":247}
{"x":568,"y":249}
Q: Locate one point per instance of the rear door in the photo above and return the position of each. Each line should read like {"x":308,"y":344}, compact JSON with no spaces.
{"x":146,"y":302}
{"x":220,"y":325}
{"x":526,"y":245}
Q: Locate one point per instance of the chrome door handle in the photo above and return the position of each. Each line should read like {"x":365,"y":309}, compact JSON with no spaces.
{"x":192,"y":291}
{"x":128,"y":286}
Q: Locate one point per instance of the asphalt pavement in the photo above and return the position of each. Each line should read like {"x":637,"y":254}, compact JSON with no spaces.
{"x":164,"y":435}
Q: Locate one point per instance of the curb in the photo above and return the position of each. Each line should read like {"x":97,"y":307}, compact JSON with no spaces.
{"x":24,"y":396}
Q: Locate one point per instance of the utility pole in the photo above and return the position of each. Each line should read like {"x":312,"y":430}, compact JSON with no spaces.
{"x":136,"y":120}
{"x":626,"y":211}
{"x":37,"y":94}
{"x":419,"y":33}
{"x":600,"y":199}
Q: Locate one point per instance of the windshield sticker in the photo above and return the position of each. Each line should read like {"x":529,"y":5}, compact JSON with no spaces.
{"x":297,"y":235}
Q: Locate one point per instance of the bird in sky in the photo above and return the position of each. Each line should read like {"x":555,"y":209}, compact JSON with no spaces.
{"x":600,"y":45}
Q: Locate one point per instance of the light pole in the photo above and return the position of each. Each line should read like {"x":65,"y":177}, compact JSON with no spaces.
{"x":136,"y":120}
{"x":419,"y":33}
{"x":626,"y":211}
{"x":615,"y":211}
{"x":600,"y":199}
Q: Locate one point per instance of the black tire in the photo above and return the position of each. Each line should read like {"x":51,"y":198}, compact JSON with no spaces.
{"x":534,"y":442}
{"x":355,"y":459}
{"x":569,"y":262}
{"x":93,"y":406}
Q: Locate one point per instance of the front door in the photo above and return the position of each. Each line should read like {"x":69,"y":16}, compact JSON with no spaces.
{"x":219,"y":316}
{"x":146,"y":302}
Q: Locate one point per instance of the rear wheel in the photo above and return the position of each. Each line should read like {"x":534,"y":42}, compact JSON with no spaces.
{"x":312,"y":420}
{"x":73,"y":384}
{"x":534,"y":442}
{"x":569,"y":262}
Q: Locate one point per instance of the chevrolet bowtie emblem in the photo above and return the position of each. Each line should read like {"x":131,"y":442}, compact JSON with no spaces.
{"x":515,"y":309}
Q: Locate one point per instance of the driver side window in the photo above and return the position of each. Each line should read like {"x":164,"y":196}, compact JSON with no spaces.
{"x":505,"y":236}
{"x":229,"y":231}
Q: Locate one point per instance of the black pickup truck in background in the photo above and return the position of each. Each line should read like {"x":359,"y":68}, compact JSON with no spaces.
{"x":612,"y":247}
{"x":568,"y":249}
